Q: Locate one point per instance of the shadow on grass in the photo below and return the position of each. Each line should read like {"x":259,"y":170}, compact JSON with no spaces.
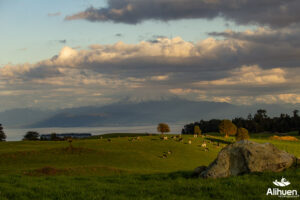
{"x":119,"y":135}
{"x":219,"y":140}
{"x":167,"y":176}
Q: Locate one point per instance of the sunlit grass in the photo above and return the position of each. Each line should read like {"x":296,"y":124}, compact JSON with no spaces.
{"x":128,"y":169}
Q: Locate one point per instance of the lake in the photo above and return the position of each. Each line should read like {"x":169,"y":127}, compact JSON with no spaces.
{"x":17,"y":134}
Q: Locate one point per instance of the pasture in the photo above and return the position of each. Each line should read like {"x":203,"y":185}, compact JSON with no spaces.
{"x":129,"y":167}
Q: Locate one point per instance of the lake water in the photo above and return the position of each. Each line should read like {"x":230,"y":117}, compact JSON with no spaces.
{"x":17,"y":134}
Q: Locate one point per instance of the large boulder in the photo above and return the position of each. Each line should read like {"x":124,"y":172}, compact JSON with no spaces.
{"x":246,"y":157}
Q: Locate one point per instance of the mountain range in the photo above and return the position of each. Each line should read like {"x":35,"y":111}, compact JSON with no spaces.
{"x":134,"y":113}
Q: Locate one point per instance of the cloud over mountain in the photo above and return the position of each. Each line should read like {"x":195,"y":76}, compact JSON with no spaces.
{"x":241,"y":69}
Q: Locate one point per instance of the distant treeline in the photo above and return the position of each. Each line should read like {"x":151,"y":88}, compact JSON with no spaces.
{"x":260,"y":122}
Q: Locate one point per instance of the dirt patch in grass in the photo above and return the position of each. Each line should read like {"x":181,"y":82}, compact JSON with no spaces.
{"x":45,"y":171}
{"x":287,"y":138}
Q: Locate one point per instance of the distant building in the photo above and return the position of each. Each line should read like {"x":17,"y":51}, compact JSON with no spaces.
{"x":66,"y":135}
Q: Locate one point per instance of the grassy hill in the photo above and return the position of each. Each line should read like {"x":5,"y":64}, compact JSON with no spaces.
{"x":116,"y":167}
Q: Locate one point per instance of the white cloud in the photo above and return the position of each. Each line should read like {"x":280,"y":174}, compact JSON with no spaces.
{"x":210,"y":70}
{"x":160,"y":78}
{"x":250,"y":75}
{"x":290,"y":98}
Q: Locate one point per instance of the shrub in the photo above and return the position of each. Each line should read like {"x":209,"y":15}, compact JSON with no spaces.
{"x":242,"y":134}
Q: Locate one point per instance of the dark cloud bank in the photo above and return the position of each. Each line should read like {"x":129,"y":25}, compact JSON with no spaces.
{"x":275,"y":13}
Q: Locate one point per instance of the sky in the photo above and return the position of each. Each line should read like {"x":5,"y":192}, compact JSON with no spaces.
{"x":66,"y":53}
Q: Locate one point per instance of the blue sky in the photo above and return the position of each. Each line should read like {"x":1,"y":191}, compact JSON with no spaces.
{"x":28,"y":34}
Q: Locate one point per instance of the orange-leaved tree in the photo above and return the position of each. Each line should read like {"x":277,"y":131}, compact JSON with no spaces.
{"x":163,"y":128}
{"x":197,"y":130}
{"x":242,"y":134}
{"x":227,"y":128}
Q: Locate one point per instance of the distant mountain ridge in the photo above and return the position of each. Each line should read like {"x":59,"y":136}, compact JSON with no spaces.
{"x":21,"y":117}
{"x":133,"y":113}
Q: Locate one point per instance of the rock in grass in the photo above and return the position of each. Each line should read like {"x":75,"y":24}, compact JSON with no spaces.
{"x":246,"y":157}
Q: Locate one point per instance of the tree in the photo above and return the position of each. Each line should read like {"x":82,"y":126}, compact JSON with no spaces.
{"x":163,"y":128}
{"x":2,"y":134}
{"x":31,"y":135}
{"x":242,"y":134}
{"x":295,"y":113}
{"x":197,"y":130}
{"x":54,"y":137}
{"x":227,"y":128}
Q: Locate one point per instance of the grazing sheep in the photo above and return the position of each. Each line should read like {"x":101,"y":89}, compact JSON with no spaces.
{"x":190,"y":141}
{"x":164,"y":156}
{"x":203,"y":145}
{"x":138,"y":138}
{"x":195,"y":135}
{"x":206,"y":149}
{"x":165,"y":138}
{"x":169,"y":152}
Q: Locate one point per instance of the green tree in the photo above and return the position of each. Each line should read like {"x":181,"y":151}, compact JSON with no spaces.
{"x":242,"y":134}
{"x":226,"y":127}
{"x":163,"y":128}
{"x":2,"y":134}
{"x":54,"y":137}
{"x":197,"y":130}
{"x":31,"y":135}
{"x":182,"y":131}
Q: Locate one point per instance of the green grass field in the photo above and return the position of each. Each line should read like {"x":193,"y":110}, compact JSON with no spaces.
{"x":128,"y":169}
